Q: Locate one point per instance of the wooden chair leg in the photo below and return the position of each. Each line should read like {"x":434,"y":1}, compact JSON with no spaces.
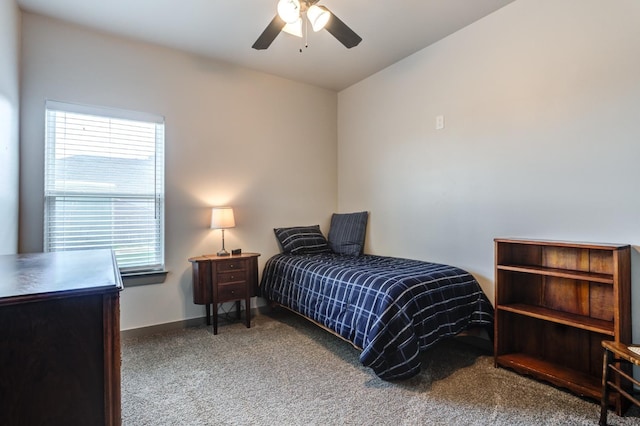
{"x":604,"y":402}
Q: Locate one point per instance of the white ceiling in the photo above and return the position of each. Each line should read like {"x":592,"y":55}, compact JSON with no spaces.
{"x":226,"y":29}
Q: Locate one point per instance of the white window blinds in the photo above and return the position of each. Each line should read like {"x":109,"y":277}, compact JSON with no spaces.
{"x":104,"y":183}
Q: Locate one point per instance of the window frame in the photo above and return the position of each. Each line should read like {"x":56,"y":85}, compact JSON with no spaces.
{"x":137,"y":274}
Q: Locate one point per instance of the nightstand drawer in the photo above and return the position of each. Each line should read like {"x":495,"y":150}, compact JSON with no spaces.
{"x":232,"y":291}
{"x":231,"y":265}
{"x":229,"y":277}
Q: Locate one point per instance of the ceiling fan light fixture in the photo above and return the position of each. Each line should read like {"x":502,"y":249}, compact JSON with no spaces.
{"x":297,"y":12}
{"x":289,"y":10}
{"x":294,"y":28}
{"x":318,"y":16}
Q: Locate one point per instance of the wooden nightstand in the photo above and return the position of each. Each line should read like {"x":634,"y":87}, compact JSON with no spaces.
{"x":218,"y":279}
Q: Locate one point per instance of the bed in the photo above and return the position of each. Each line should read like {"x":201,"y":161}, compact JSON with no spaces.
{"x":390,"y":308}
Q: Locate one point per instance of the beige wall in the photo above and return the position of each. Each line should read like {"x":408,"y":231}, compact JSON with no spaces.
{"x":233,"y":137}
{"x":540,"y":101}
{"x":542,"y":137}
{"x":9,"y":124}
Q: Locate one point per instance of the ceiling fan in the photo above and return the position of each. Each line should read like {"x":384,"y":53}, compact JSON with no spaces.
{"x":290,"y":16}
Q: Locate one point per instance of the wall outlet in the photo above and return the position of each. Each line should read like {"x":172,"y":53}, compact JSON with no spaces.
{"x":439,"y":122}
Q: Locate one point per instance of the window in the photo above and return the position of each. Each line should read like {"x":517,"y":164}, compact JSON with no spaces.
{"x":104,"y":183}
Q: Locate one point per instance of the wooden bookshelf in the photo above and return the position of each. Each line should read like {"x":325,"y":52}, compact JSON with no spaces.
{"x":556,"y":301}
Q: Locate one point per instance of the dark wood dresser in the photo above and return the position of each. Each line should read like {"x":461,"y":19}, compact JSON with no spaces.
{"x":60,"y":339}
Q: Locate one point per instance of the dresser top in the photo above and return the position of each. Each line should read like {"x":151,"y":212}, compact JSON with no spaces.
{"x":28,"y":277}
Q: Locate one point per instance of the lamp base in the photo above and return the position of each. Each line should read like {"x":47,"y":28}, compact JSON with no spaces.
{"x":222,"y":251}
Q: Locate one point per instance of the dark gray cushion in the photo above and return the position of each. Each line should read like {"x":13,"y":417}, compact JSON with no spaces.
{"x":302,"y":240}
{"x":347,"y":232}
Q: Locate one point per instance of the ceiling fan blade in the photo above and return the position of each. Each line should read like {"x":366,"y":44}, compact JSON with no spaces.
{"x":269,"y":34}
{"x":342,"y":32}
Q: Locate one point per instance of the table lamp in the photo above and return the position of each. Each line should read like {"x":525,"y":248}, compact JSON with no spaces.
{"x":222,"y":218}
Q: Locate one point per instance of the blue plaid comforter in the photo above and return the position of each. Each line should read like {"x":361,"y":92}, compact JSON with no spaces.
{"x":391,"y":308}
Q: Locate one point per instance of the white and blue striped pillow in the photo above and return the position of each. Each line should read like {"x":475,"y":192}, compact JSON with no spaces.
{"x":302,"y":240}
{"x":347,"y":233}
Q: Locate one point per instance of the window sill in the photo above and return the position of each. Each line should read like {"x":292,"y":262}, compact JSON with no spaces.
{"x":143,"y":278}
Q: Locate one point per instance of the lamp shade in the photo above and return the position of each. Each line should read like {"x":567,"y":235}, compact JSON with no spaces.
{"x":289,"y":10}
{"x":318,"y":16}
{"x":222,"y":218}
{"x":294,"y":29}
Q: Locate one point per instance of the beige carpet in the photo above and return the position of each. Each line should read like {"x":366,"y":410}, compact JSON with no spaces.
{"x":286,"y":371}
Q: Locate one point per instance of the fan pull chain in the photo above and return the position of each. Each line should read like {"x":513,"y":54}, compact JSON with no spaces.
{"x":306,"y":33}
